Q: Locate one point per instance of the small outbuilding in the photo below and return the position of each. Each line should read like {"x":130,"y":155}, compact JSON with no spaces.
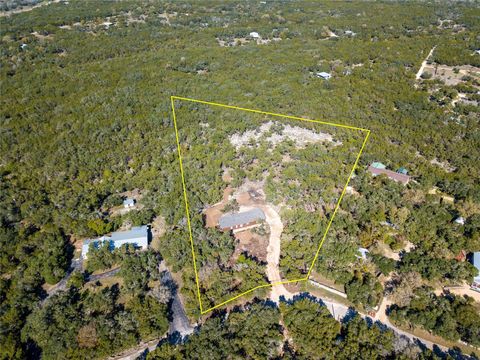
{"x":255,"y":35}
{"x":362,"y":253}
{"x":402,"y":170}
{"x":128,"y":203}
{"x":475,"y":260}
{"x":324,"y":75}
{"x":460,"y":220}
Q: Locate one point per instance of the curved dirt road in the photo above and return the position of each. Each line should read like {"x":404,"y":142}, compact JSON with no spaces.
{"x":273,"y":251}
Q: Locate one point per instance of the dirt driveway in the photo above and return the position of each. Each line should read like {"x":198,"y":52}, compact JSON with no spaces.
{"x":273,"y":251}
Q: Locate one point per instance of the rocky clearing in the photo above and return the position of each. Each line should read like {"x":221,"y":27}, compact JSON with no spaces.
{"x":300,"y":136}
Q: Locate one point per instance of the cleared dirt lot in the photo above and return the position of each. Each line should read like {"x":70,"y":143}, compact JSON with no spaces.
{"x":447,"y":73}
{"x":251,"y":243}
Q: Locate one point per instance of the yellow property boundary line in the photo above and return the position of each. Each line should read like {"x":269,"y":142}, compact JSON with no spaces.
{"x":187,"y":210}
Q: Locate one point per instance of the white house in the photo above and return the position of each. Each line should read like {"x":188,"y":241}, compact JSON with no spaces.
{"x":363,"y":253}
{"x":128,"y":203}
{"x":460,"y":220}
{"x":255,"y":35}
{"x":476,"y":263}
{"x":324,"y":75}
{"x":23,"y":46}
{"x":137,"y":236}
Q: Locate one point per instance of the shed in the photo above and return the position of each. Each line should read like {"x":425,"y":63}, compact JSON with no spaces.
{"x":255,"y":35}
{"x":402,"y":170}
{"x":324,"y":75}
{"x":363,"y":253}
{"x":460,"y":220}
{"x":128,"y":203}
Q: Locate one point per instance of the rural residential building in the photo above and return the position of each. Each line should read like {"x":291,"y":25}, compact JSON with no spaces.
{"x":379,"y":169}
{"x":138,"y":236}
{"x":460,"y":220}
{"x":363,"y":253}
{"x":255,"y":35}
{"x":241,"y":220}
{"x":403,"y":171}
{"x":476,"y":263}
{"x":128,"y":203}
{"x":324,"y":75}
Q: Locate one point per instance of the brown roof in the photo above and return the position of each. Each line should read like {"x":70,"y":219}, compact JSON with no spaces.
{"x":404,"y":179}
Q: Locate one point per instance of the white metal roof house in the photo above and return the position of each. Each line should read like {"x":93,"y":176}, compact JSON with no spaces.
{"x":324,"y":75}
{"x":128,"y":203}
{"x":363,"y":253}
{"x":476,"y":263}
{"x":460,"y":220}
{"x":254,"y":35}
{"x":138,"y":236}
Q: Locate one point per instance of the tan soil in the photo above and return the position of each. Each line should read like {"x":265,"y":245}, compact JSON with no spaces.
{"x":254,"y":244}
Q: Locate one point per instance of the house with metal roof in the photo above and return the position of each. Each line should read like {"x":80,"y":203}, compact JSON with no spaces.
{"x":378,"y":165}
{"x":476,"y":262}
{"x":241,"y":220}
{"x":128,"y":203}
{"x":402,"y":170}
{"x":137,"y":236}
{"x":324,"y":75}
{"x":379,"y":169}
{"x":362,"y":253}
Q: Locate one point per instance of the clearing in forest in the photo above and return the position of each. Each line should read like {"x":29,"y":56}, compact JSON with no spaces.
{"x":261,"y":191}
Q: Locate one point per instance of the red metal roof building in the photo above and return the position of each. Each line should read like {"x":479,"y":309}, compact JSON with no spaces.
{"x":404,"y":179}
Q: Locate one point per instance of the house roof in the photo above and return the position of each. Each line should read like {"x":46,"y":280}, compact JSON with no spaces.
{"x":404,"y":179}
{"x":476,"y":263}
{"x":324,"y":74}
{"x":363,"y":252}
{"x":378,"y":165}
{"x":135,"y":232}
{"x":231,"y":220}
{"x":129,"y":201}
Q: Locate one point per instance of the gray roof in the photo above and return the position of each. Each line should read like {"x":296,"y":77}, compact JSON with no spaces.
{"x":246,"y":217}
{"x":476,"y":263}
{"x":128,"y":201}
{"x":135,"y":232}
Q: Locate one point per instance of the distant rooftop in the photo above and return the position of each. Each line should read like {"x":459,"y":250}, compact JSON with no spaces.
{"x":233,"y":220}
{"x":324,"y":75}
{"x":378,"y":165}
{"x":129,"y":202}
{"x":404,"y":179}
{"x":135,"y":232}
{"x":137,"y":235}
{"x":476,"y":263}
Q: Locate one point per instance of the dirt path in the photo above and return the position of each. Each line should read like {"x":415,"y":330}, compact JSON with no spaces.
{"x":273,"y":251}
{"x":424,"y":63}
